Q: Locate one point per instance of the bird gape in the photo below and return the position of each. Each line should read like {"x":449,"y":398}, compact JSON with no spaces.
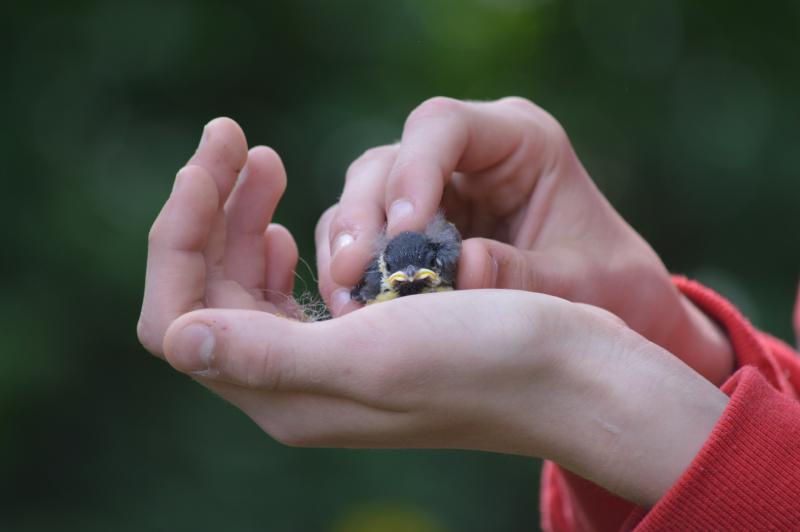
{"x":412,"y":263}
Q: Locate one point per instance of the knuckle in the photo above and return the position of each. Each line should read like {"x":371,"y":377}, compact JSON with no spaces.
{"x":433,"y":108}
{"x":482,"y":266}
{"x":265,"y":369}
{"x":369,"y":158}
{"x":357,"y":167}
{"x":521,"y":103}
{"x":553,"y":128}
{"x":530,"y":280}
{"x":514,"y":269}
{"x":543,"y":121}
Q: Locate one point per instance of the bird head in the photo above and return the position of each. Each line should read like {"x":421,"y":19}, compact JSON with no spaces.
{"x":410,"y":263}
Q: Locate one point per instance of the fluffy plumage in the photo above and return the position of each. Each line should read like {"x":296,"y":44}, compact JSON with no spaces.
{"x":412,"y":263}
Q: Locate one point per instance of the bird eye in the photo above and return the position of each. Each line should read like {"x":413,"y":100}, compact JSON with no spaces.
{"x":431,"y":260}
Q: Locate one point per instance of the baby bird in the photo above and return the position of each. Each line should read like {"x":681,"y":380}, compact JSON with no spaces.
{"x":412,"y":263}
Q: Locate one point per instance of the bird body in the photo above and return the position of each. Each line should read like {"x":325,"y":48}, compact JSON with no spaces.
{"x":412,"y":263}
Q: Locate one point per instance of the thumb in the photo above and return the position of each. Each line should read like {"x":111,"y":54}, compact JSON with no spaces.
{"x":255,"y":349}
{"x":487,"y":263}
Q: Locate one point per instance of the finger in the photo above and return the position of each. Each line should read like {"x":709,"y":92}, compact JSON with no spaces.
{"x":281,"y":262}
{"x":367,"y":356}
{"x":486,"y":263}
{"x":175,"y":278}
{"x":266,"y":352}
{"x":361,"y":217}
{"x":443,"y":135}
{"x":223,"y":153}
{"x":335,"y":295}
{"x":247,"y":214}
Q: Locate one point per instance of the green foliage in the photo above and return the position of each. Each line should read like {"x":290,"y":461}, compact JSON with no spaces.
{"x":685,"y":113}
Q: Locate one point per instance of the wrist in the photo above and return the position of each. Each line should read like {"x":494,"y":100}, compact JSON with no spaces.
{"x":697,"y":340}
{"x":669,"y":411}
{"x":655,"y":308}
{"x":666,"y":317}
{"x":636,"y":417}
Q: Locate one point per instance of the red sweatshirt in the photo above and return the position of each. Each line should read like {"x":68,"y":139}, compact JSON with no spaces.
{"x":746,"y":476}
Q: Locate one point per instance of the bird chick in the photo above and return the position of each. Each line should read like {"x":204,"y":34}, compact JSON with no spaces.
{"x":412,"y":263}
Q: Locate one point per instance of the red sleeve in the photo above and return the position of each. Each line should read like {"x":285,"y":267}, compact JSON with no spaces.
{"x":747,"y":476}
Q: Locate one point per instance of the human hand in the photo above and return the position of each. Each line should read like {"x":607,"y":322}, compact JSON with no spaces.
{"x":212,"y":244}
{"x":495,"y":370}
{"x":506,"y":175}
{"x":483,"y":369}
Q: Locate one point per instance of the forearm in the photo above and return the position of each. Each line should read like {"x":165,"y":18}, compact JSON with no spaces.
{"x":631,"y":419}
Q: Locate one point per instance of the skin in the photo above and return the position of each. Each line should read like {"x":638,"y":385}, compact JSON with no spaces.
{"x":507,"y":371}
{"x":507,"y":176}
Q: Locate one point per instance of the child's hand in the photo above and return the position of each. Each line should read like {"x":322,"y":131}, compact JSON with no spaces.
{"x":506,"y":174}
{"x":497,"y":370}
{"x":213,"y":245}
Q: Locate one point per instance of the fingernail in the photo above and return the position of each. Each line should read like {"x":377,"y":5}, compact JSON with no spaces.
{"x":339,"y":299}
{"x":494,"y":271}
{"x":242,"y":175}
{"x":400,"y":210}
{"x":194,"y":348}
{"x":203,"y":137}
{"x":342,"y":241}
{"x":177,"y":180}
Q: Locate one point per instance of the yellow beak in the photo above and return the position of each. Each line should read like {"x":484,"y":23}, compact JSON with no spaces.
{"x":423,"y":274}
{"x":397,"y":278}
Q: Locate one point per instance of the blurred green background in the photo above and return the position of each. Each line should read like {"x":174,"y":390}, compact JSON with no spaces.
{"x":685,"y":113}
